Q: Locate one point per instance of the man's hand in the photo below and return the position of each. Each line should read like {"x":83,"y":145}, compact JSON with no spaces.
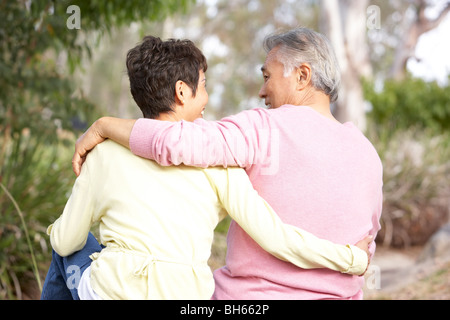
{"x":364,"y":245}
{"x":84,"y":144}
{"x":116,"y":129}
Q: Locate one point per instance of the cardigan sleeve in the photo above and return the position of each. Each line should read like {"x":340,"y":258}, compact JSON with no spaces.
{"x":284,"y":241}
{"x":69,"y":232}
{"x":239,"y":140}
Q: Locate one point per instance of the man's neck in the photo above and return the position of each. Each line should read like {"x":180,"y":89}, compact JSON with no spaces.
{"x":320,"y":102}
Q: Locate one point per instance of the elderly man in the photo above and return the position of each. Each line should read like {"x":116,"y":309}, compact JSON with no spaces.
{"x":317,"y":173}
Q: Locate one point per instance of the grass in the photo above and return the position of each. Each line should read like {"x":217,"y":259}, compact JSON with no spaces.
{"x":33,"y":257}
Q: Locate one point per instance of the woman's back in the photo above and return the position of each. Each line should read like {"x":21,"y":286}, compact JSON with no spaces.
{"x":157,"y":224}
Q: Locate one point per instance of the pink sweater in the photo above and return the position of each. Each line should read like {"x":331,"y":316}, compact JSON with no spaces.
{"x":319,"y":175}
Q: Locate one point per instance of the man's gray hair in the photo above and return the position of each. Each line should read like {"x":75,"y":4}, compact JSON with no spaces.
{"x":303,"y":45}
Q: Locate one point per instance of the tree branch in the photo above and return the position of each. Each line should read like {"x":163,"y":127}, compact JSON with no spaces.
{"x":431,"y":24}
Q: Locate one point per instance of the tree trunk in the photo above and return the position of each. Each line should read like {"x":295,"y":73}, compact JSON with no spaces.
{"x":344,"y":22}
{"x":419,"y":25}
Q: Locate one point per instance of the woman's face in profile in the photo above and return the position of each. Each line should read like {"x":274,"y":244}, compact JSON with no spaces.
{"x":194,"y":106}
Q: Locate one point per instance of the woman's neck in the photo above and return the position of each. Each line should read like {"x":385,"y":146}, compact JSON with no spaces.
{"x":169,"y":116}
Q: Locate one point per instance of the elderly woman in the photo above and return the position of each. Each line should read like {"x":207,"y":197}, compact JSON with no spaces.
{"x":157,"y":223}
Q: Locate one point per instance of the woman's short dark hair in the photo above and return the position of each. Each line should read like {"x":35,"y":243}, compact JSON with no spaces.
{"x":154,"y":66}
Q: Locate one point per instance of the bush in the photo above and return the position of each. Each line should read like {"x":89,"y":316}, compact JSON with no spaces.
{"x":36,"y":182}
{"x":416,"y":191}
{"x":409,"y":103}
{"x":409,"y":126}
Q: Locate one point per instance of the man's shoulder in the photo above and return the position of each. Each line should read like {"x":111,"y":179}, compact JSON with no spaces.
{"x":251,"y":113}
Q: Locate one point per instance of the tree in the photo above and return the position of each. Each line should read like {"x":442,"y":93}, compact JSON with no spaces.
{"x":414,"y":26}
{"x":344,"y":22}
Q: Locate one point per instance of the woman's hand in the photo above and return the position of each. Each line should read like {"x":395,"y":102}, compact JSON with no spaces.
{"x":364,"y":245}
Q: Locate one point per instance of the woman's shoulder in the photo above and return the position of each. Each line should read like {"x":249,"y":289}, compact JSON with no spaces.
{"x":109,"y":152}
{"x":109,"y":148}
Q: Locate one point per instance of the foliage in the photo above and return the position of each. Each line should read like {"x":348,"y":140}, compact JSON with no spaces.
{"x":41,"y":112}
{"x":409,"y":103}
{"x":409,"y":126}
{"x":416,"y":171}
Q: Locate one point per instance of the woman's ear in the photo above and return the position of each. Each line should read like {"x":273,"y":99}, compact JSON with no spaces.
{"x":303,"y":76}
{"x":180,"y":91}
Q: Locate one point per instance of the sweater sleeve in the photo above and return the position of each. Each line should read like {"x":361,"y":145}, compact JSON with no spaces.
{"x":284,"y":241}
{"x":69,"y":232}
{"x":240,"y":140}
{"x":376,"y":216}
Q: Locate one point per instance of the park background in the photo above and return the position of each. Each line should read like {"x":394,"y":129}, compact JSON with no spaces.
{"x":63,"y":66}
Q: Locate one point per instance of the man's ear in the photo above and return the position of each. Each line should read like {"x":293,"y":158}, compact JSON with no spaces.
{"x":180,"y":91}
{"x":304,"y":75}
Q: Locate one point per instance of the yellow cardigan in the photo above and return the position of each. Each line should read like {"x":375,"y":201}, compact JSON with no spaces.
{"x":157,"y":224}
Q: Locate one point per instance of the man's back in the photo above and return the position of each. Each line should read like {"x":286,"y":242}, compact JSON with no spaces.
{"x":329,"y":182}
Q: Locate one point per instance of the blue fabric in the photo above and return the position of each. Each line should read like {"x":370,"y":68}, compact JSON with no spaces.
{"x":65,"y":273}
